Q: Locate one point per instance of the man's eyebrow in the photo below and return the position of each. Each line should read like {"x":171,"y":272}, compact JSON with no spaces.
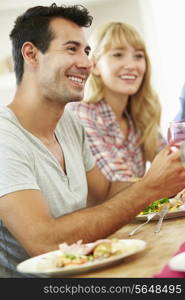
{"x":88,"y":48}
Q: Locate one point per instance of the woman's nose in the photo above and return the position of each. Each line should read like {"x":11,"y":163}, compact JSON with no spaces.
{"x":129,"y":66}
{"x":129,"y":63}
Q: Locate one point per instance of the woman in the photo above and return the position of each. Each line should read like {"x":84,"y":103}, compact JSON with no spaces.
{"x":120,"y":111}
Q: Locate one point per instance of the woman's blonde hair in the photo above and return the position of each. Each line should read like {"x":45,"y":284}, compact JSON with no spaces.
{"x":144,"y":106}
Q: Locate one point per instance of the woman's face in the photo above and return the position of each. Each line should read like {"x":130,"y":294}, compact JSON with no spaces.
{"x":121,"y":69}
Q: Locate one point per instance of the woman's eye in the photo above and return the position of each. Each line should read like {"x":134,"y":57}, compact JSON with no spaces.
{"x":139,"y":55}
{"x":118,"y":54}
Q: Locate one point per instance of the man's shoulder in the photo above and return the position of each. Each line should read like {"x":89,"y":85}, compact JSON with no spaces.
{"x":70,"y":123}
{"x":69,"y":117}
{"x":10,"y":133}
{"x":3,"y":111}
{"x":6,"y":120}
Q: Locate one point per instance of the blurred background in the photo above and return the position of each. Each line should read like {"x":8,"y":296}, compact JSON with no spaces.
{"x":160,"y":22}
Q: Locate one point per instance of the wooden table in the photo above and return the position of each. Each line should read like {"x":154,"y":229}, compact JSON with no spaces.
{"x":159,"y":250}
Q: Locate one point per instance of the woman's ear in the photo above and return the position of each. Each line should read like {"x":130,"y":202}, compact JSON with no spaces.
{"x":95,"y":69}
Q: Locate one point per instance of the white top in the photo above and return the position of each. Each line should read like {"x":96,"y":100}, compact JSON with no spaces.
{"x":26,"y":163}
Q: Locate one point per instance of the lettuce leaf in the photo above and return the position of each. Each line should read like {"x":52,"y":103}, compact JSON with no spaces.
{"x":154,"y":207}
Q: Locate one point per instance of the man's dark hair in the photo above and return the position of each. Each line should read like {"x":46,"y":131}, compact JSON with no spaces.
{"x":33,"y":26}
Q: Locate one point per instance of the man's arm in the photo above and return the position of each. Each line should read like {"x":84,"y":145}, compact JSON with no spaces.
{"x":100,"y":189}
{"x":32,"y":224}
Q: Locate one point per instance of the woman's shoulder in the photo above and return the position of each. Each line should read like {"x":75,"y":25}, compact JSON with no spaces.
{"x":81,"y":105}
{"x":83,"y":109}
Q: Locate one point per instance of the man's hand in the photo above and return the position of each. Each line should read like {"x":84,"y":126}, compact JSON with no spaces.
{"x":166,"y":173}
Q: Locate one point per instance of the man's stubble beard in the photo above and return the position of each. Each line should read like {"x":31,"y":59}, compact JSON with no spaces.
{"x":65,"y":94}
{"x":62,"y":95}
{"x":71,"y":96}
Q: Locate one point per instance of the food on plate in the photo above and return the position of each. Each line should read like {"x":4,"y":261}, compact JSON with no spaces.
{"x":80,"y":248}
{"x":173,"y":203}
{"x":102,"y":250}
{"x":107,"y":249}
{"x":155,"y":206}
{"x":78,"y":253}
{"x":65,"y":259}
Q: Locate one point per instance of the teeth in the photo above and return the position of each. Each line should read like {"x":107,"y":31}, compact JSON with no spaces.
{"x":128,"y":77}
{"x":76,"y":79}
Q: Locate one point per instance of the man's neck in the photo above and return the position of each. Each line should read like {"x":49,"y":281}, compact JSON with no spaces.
{"x":38,"y":116}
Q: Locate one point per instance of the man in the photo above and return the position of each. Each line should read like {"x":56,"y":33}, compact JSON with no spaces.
{"x":46,"y":168}
{"x":180,"y":116}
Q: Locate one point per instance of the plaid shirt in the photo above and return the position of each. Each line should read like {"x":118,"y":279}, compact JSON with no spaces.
{"x":119,"y":159}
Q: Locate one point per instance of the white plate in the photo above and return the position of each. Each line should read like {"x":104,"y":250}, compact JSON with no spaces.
{"x":179,"y":213}
{"x":37,"y":264}
{"x":177,"y":262}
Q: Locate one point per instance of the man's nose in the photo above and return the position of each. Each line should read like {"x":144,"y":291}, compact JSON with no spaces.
{"x":84,"y":62}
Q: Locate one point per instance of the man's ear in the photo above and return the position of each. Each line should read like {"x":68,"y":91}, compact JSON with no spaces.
{"x":29,"y":53}
{"x":95,"y":69}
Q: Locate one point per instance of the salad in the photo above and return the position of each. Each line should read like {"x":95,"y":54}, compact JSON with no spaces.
{"x":173,"y":203}
{"x":155,"y":206}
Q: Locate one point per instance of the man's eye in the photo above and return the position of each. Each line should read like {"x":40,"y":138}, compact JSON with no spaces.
{"x":72,"y":49}
{"x":87,"y":52}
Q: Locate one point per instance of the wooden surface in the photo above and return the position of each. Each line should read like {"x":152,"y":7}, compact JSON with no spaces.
{"x":159,"y":249}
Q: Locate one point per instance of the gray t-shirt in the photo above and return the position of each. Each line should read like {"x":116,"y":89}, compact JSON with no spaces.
{"x":26,"y":163}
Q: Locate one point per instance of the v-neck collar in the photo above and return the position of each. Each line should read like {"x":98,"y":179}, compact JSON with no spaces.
{"x":44,"y":147}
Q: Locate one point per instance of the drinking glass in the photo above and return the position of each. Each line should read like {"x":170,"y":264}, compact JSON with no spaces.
{"x":176,"y":132}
